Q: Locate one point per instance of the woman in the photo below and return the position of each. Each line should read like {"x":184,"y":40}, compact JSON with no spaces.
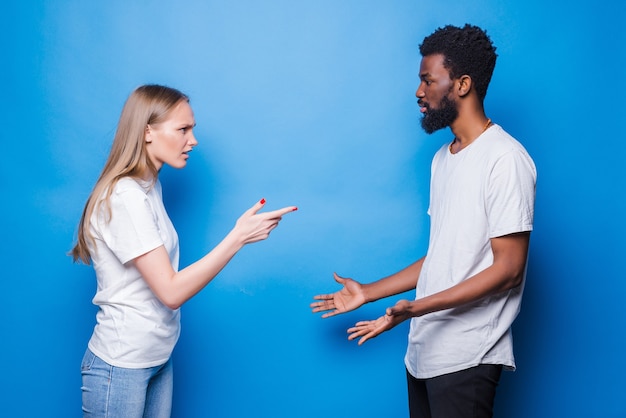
{"x":127,"y":235}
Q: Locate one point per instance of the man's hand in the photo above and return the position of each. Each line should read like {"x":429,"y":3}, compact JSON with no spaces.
{"x":350,"y":297}
{"x":371,"y":329}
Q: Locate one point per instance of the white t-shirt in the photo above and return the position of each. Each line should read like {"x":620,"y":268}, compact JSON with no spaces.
{"x":485,"y":191}
{"x":134,"y":329}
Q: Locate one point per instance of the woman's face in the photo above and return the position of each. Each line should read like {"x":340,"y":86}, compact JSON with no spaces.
{"x":170,"y":142}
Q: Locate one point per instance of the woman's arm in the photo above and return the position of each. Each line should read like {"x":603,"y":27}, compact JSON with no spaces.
{"x":175,"y":288}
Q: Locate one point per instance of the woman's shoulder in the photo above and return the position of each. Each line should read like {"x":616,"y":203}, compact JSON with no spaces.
{"x":130,"y":184}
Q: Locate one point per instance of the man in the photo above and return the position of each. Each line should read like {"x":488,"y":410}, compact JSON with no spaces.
{"x":469,"y":285}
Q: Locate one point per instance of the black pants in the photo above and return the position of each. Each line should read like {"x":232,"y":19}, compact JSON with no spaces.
{"x":465,"y":394}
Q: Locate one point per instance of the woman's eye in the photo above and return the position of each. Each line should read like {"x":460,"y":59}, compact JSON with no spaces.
{"x":183,"y":130}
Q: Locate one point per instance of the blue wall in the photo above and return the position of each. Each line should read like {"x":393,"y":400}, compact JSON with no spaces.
{"x":311,"y":104}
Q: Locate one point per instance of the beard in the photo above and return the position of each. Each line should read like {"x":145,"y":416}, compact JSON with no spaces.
{"x":435,"y":119}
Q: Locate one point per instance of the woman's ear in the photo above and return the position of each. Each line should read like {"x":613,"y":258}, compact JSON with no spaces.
{"x":147,"y":134}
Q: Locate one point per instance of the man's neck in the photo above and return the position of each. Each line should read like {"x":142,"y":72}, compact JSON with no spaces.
{"x":467,"y":129}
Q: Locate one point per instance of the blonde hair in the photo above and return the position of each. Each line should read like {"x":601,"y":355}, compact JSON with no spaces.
{"x":148,"y":104}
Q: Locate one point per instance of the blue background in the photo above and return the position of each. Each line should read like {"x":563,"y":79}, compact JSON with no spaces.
{"x":309,"y":104}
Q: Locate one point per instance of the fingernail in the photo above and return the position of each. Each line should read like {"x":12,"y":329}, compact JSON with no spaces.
{"x":263,"y":201}
{"x":295,"y":208}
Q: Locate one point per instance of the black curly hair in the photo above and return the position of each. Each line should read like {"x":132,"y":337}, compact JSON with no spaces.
{"x":467,"y":50}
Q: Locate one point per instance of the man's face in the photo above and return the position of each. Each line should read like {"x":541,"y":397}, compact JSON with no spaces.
{"x":434,"y":96}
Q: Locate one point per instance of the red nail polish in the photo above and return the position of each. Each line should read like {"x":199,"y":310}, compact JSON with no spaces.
{"x":263,"y":201}
{"x":295,"y":208}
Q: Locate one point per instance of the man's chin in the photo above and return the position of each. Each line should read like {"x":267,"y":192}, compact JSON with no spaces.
{"x":441,"y":117}
{"x":430,"y":128}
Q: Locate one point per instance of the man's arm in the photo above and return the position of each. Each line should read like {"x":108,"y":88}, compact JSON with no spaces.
{"x":510,"y":253}
{"x":506,"y":272}
{"x":354,"y":294}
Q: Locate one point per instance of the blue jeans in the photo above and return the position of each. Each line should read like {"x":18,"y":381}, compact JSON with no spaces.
{"x":112,"y":392}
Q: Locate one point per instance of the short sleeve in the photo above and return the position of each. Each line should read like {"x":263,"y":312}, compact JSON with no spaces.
{"x":132,"y":229}
{"x":511,"y":194}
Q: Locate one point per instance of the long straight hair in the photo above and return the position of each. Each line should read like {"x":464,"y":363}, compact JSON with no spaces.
{"x":146,"y":105}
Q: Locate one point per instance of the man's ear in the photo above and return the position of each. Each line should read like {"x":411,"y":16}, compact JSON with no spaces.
{"x":464,"y":85}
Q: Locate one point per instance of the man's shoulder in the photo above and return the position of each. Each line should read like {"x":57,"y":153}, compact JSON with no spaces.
{"x":500,"y":141}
